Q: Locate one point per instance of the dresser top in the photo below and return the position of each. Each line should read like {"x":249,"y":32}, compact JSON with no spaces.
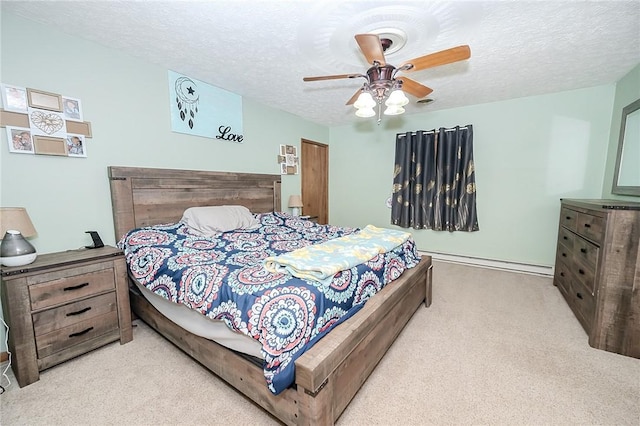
{"x":604,"y":204}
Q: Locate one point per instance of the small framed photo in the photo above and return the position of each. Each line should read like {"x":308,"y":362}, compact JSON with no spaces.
{"x":44,"y":100}
{"x":14,"y":98}
{"x":20,"y":140}
{"x":76,"y":146}
{"x":72,"y":108}
{"x":283,"y":168}
{"x":292,"y":150}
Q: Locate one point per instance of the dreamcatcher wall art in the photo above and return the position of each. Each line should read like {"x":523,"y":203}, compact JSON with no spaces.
{"x":200,"y":109}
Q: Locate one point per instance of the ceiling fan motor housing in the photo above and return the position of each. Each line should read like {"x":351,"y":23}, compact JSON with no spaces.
{"x":380,"y":79}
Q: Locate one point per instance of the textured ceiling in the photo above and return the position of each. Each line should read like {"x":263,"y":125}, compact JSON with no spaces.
{"x":262,"y":49}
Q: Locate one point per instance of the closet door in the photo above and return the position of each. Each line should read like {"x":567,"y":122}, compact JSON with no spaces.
{"x":314,"y":166}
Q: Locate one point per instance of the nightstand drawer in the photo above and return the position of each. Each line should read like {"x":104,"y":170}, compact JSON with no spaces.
{"x":70,"y":288}
{"x":75,"y":334}
{"x":52,"y":319}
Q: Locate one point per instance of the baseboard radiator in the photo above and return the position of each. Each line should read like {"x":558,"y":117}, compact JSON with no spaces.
{"x":493,"y":264}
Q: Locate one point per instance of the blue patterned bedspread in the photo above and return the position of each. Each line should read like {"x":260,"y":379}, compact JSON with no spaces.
{"x":224,"y":278}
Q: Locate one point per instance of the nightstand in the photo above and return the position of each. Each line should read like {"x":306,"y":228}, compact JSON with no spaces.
{"x":64,"y":305}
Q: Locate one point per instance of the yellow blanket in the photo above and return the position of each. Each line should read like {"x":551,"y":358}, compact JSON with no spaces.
{"x":320,"y":262}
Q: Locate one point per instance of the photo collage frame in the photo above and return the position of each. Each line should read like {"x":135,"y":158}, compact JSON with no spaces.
{"x":39,"y":122}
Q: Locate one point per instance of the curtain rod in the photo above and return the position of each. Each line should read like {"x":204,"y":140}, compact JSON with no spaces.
{"x":434,"y":130}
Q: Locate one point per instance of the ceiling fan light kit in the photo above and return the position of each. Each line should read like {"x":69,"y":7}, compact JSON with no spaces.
{"x":382,"y":84}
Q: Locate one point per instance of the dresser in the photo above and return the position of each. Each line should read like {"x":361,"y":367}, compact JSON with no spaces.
{"x":62,"y":306}
{"x":597,"y":270}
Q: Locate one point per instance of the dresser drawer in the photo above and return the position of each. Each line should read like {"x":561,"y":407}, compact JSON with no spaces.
{"x":564,"y":253}
{"x":584,"y":275}
{"x":591,"y":227}
{"x":63,"y":316}
{"x":75,"y":334}
{"x":586,"y":253}
{"x":562,"y":277}
{"x":568,"y":218}
{"x":584,"y":306}
{"x":67,"y":289}
{"x":566,"y":238}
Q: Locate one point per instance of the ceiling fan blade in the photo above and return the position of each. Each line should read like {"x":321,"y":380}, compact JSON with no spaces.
{"x":332,"y":77}
{"x":443,"y":57}
{"x":414,"y":88}
{"x":371,"y":48}
{"x":354,"y":98}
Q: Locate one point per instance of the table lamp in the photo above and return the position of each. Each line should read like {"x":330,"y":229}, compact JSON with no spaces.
{"x":295,"y":204}
{"x":15,"y":225}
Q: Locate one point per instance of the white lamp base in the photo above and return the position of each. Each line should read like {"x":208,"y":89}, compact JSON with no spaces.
{"x":25,"y":259}
{"x":295,"y":211}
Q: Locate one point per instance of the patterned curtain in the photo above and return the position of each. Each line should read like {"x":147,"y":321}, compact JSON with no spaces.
{"x":434,"y":185}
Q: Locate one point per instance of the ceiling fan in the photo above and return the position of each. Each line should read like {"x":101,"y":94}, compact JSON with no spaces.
{"x":381,"y":81}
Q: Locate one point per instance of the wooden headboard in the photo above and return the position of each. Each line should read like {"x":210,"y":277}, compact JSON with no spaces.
{"x":147,"y":196}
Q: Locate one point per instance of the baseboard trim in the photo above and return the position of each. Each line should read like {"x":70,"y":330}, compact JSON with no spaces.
{"x":525,"y":268}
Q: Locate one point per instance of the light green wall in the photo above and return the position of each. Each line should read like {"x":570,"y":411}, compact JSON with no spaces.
{"x":127,"y":102}
{"x":627,"y":91}
{"x":529,"y":153}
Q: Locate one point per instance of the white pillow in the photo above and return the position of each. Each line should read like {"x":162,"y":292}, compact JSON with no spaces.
{"x":212,"y":220}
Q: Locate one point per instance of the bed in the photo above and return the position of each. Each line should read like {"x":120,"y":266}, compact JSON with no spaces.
{"x":327,"y":375}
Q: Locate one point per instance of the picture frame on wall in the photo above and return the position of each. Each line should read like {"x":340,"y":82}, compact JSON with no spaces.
{"x":20,"y":140}
{"x":48,"y":145}
{"x":44,"y":100}
{"x":72,"y":108}
{"x":14,"y":98}
{"x":76,"y":146}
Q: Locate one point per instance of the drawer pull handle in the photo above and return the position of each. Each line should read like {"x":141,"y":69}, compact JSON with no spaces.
{"x":583,"y":250}
{"x":565,"y":238}
{"x":81,"y":311}
{"x":76,"y":287}
{"x":579,"y":295}
{"x":80,"y":333}
{"x":564,"y":254}
{"x":587,"y":225}
{"x":562,"y":274}
{"x":568,"y":217}
{"x":581,"y":271}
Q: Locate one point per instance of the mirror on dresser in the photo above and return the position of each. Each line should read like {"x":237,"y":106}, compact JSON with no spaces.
{"x":626,"y":180}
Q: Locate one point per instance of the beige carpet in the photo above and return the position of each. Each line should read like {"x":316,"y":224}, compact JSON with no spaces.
{"x":495,"y":348}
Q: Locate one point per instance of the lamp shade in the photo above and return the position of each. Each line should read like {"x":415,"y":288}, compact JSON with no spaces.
{"x":394,"y":110}
{"x":365,"y":112}
{"x":16,"y":218}
{"x":295,"y":201}
{"x":397,"y":98}
{"x":365,"y":100}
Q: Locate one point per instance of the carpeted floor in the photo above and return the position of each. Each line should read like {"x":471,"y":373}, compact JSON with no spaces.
{"x":495,"y":348}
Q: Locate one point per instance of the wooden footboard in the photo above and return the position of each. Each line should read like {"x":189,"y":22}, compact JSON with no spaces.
{"x":329,"y":374}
